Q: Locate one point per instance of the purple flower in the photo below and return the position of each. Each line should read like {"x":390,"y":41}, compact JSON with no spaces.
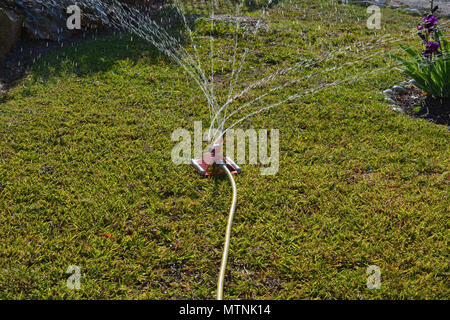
{"x":420,"y":27}
{"x":433,"y":45}
{"x":430,"y":20}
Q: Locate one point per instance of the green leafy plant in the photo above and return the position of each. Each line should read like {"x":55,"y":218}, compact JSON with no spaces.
{"x":430,"y":68}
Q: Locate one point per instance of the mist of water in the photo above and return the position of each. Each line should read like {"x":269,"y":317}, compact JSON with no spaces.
{"x":133,"y":20}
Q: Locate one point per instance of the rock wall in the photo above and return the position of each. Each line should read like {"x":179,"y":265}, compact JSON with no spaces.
{"x":10,"y":29}
{"x":47,"y":22}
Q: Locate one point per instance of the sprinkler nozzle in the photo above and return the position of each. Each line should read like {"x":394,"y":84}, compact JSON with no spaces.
{"x":209,"y":163}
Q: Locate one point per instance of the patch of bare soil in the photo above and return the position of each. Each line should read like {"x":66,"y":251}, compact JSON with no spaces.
{"x":418,"y":104}
{"x":245,"y":22}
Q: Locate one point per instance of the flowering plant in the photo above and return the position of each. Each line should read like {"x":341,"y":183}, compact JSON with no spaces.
{"x":431,"y":68}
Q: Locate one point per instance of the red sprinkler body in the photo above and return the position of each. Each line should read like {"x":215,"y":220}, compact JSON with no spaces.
{"x":209,"y":164}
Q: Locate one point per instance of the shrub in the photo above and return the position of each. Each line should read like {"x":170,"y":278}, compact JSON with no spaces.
{"x":431,"y":67}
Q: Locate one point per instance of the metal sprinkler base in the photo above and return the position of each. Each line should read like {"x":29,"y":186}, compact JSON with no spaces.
{"x":210,"y":163}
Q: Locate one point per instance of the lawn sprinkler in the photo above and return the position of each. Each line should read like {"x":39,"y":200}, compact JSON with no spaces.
{"x":212,"y":161}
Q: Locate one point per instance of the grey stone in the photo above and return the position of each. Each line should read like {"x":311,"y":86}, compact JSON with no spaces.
{"x":42,"y":24}
{"x":398,"y":109}
{"x":46,"y":22}
{"x":388,"y":92}
{"x":412,"y":10}
{"x":398,"y":89}
{"x":424,"y":5}
{"x":390,"y":100}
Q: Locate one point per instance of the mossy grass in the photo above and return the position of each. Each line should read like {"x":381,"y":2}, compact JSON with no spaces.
{"x":86,"y":176}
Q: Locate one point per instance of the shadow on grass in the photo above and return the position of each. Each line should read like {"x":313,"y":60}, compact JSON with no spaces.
{"x":94,"y":56}
{"x":100,"y":54}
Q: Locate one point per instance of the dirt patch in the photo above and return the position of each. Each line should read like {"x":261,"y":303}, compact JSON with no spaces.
{"x":418,"y":104}
{"x":245,"y":22}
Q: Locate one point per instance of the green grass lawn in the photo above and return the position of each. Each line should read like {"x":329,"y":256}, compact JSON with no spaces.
{"x":86,"y":176}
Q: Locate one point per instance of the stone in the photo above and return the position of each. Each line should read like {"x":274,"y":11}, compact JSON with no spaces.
{"x":390,"y":100}
{"x":398,"y":89}
{"x":10,"y":26}
{"x":413,"y":10}
{"x":423,"y":6}
{"x":380,"y":3}
{"x":42,"y":23}
{"x":388,"y":92}
{"x":46,"y":22}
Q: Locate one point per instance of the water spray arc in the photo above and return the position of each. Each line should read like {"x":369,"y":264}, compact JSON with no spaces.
{"x":213,"y":161}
